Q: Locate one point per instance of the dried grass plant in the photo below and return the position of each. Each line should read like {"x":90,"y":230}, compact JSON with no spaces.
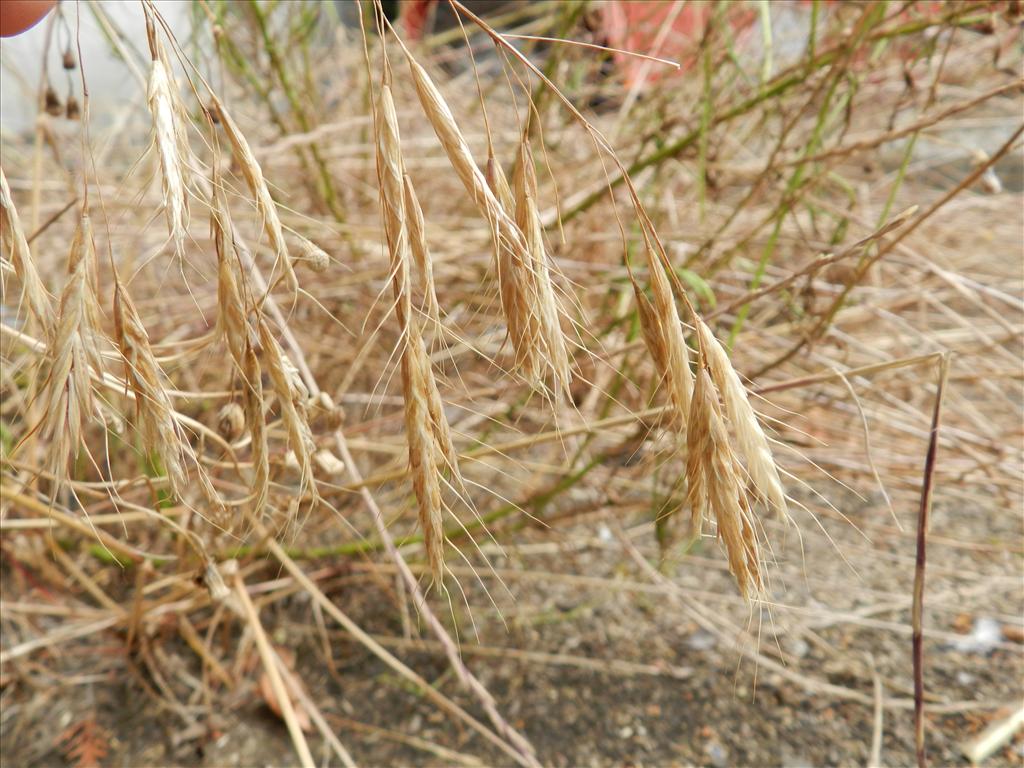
{"x":545,"y":315}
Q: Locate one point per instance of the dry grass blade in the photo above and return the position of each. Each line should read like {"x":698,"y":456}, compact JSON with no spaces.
{"x":923,"y":515}
{"x":269,"y":658}
{"x":15,"y":243}
{"x":760,"y":465}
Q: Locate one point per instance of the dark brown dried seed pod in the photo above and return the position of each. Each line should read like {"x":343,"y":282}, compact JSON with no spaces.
{"x":71,"y":110}
{"x":68,"y":61}
{"x":52,"y":104}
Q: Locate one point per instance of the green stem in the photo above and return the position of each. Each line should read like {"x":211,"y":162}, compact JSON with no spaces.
{"x":784,"y":82}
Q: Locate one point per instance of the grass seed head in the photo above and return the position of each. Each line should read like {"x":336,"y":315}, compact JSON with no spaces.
{"x":421,"y":434}
{"x":158,"y":425}
{"x":514,"y":286}
{"x":13,"y":237}
{"x":721,"y":486}
{"x":390,"y":173}
{"x":253,"y":173}
{"x":676,"y":354}
{"x":168,"y":136}
{"x":231,"y":311}
{"x":74,"y":355}
{"x":313,"y":256}
{"x":252,"y":402}
{"x":541,"y":299}
{"x":760,"y":465}
{"x":420,"y":252}
{"x":291,"y":397}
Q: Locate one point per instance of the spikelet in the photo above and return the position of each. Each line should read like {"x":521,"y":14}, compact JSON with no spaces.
{"x":542,"y":298}
{"x":154,"y":413}
{"x":390,"y":174}
{"x":514,"y":286}
{"x":427,"y":431}
{"x":231,"y":314}
{"x":265,"y":204}
{"x":531,"y":338}
{"x":291,"y":396}
{"x":252,"y":403}
{"x":14,"y":241}
{"x":650,"y":328}
{"x":233,"y":324}
{"x":313,"y":256}
{"x":713,"y":474}
{"x":421,"y":434}
{"x":453,"y":142}
{"x":698,"y":448}
{"x":760,"y":465}
{"x":172,"y":147}
{"x":420,"y":252}
{"x":73,"y":353}
{"x":663,"y":334}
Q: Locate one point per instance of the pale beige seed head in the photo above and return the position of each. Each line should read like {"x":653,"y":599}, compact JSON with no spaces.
{"x":291,"y":397}
{"x":652,"y":332}
{"x":452,"y":141}
{"x":265,"y":204}
{"x":423,"y":449}
{"x":313,"y":256}
{"x":698,"y":449}
{"x":760,"y":465}
{"x":532,"y":309}
{"x":677,"y":356}
{"x":390,"y":173}
{"x":726,"y":497}
{"x":514,"y":286}
{"x":420,"y":251}
{"x":252,"y":402}
{"x":154,"y":412}
{"x":153,"y":409}
{"x":231,"y":313}
{"x":461,"y":158}
{"x":166,"y":138}
{"x":545,"y":302}
{"x":73,"y":355}
{"x":15,"y":243}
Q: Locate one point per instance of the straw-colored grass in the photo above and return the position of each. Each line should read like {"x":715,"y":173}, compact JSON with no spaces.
{"x":506,"y":369}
